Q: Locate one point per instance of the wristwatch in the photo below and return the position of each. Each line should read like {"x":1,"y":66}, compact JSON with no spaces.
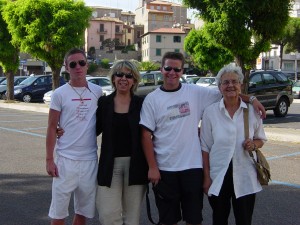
{"x":251,"y":99}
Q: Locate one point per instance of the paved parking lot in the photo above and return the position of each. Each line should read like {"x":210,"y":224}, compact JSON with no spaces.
{"x":25,"y":188}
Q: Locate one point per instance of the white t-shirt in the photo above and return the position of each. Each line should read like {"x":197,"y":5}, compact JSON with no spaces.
{"x":173,"y":117}
{"x":78,"y":119}
{"x":222,"y":137}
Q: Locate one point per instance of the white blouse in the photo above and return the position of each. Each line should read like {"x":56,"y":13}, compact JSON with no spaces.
{"x":222,"y":137}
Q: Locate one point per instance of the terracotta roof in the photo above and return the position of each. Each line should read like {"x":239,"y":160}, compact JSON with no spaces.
{"x":167,"y":30}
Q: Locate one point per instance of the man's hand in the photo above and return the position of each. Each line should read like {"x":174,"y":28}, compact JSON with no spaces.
{"x":59,"y":132}
{"x":154,"y":175}
{"x":51,"y":168}
{"x":259,"y":108}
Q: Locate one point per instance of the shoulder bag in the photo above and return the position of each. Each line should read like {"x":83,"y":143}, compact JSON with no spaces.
{"x":261,"y":164}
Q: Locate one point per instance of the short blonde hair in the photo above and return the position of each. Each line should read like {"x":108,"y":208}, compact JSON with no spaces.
{"x":130,"y":65}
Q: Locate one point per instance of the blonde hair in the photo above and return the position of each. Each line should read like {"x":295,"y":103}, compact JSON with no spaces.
{"x":130,"y":65}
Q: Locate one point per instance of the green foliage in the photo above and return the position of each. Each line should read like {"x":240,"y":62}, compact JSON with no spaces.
{"x":47,"y":29}
{"x":244,"y":27}
{"x":105,"y":63}
{"x":110,"y":44}
{"x":292,"y":31}
{"x":9,"y":59}
{"x":148,"y":65}
{"x":92,"y":68}
{"x":205,"y":52}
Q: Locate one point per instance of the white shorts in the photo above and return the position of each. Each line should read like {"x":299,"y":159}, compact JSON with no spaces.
{"x":78,"y":177}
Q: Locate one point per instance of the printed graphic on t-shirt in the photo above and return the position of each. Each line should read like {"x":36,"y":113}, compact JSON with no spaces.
{"x":82,"y":109}
{"x":179,"y":110}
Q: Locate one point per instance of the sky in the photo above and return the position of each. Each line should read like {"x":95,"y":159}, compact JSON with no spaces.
{"x":125,"y":5}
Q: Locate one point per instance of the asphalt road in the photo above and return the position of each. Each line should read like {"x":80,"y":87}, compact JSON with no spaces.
{"x":25,"y":188}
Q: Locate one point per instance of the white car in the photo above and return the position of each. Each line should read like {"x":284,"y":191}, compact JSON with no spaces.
{"x":206,"y":81}
{"x":104,"y":82}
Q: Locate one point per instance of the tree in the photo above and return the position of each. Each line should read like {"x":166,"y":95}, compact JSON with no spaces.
{"x":205,"y":52}
{"x":47,"y":29}
{"x":148,"y":65}
{"x":9,"y":57}
{"x":244,"y":27}
{"x":289,"y":39}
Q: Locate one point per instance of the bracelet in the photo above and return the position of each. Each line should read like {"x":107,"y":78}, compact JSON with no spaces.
{"x":251,"y":99}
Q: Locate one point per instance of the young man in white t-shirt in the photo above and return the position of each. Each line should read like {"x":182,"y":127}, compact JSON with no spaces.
{"x":73,"y":166}
{"x":169,"y":118}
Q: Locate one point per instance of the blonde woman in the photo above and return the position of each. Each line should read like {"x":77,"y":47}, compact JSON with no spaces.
{"x":122,"y":173}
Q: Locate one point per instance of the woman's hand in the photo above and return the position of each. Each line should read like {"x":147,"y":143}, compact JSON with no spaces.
{"x":249,"y":145}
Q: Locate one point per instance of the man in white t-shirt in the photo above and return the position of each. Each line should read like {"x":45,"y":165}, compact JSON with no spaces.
{"x":169,"y":118}
{"x":74,"y":167}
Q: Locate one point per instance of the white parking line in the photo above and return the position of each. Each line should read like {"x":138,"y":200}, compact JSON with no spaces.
{"x":23,"y":132}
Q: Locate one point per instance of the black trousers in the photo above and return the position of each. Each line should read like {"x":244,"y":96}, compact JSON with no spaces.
{"x":242,"y":207}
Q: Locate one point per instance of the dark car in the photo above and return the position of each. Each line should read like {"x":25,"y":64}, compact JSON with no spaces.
{"x":3,"y":85}
{"x":34,"y":88}
{"x":150,"y":81}
{"x":273,"y":89}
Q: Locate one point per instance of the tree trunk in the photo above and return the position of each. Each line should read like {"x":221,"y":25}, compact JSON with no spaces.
{"x":280,"y":56}
{"x":240,"y":62}
{"x":55,"y":77}
{"x":10,"y":85}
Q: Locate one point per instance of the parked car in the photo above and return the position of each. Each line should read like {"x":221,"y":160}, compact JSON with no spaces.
{"x":150,"y":81}
{"x":273,"y":89}
{"x":186,"y":76}
{"x":2,"y":79}
{"x":104,"y":82}
{"x":206,"y":81}
{"x":3,"y":85}
{"x":34,"y":88}
{"x":192,"y":80}
{"x":296,"y":89}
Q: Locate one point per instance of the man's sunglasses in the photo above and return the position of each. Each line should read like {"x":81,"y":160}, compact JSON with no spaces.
{"x":74,"y":63}
{"x":169,"y":68}
{"x":127,"y":75}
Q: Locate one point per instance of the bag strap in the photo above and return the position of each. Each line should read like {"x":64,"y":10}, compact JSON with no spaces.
{"x":246,"y":127}
{"x":148,"y":207}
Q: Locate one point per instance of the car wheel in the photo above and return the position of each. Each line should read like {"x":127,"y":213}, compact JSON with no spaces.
{"x":281,"y":108}
{"x":27,"y":98}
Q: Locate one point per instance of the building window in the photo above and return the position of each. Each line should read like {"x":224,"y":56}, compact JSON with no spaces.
{"x":177,"y":39}
{"x":152,"y":7}
{"x":288,"y":66}
{"x":138,"y":33}
{"x":164,"y":8}
{"x":158,"y":38}
{"x":158,"y":52}
{"x":176,"y":50}
{"x":101,"y":38}
{"x":117,"y":29}
{"x":129,"y":42}
{"x":153,"y":17}
{"x":102,"y":27}
{"x":158,"y":7}
{"x":166,"y":17}
{"x":129,"y":31}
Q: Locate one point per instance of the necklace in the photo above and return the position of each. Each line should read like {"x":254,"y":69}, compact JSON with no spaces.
{"x":80,"y":95}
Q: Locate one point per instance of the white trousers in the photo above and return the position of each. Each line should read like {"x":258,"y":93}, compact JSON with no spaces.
{"x":120,"y":204}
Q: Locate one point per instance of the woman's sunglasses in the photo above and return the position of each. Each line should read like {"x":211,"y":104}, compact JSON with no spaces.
{"x":169,"y":68}
{"x":74,"y":63}
{"x":127,"y":75}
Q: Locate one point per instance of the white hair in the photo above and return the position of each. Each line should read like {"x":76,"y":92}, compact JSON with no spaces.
{"x":230,"y":68}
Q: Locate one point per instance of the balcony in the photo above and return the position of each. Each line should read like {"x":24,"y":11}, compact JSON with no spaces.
{"x":100,"y":31}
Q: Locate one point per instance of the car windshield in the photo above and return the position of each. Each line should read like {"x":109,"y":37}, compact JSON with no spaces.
{"x":4,"y":82}
{"x":28,"y":81}
{"x":205,"y":80}
{"x":297,"y":84}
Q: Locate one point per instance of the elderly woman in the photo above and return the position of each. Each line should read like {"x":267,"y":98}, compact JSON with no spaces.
{"x":229,"y":172}
{"x":123,"y":170}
